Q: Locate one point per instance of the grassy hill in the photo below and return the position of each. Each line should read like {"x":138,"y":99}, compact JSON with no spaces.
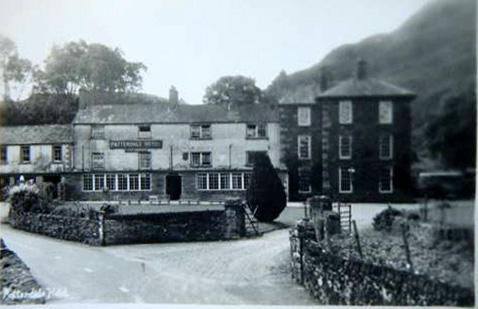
{"x":433,"y":54}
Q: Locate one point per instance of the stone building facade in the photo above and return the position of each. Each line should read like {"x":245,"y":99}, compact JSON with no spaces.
{"x":169,"y":150}
{"x":352,"y":144}
{"x":42,"y":153}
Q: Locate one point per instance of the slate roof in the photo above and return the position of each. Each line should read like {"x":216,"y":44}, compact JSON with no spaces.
{"x":167,"y":113}
{"x":40,"y":134}
{"x":364,"y":88}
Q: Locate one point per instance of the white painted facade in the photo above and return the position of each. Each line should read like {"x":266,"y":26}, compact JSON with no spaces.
{"x":228,"y":146}
{"x":41,"y":160}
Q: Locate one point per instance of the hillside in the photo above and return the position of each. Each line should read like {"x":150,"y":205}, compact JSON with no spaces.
{"x":433,"y":54}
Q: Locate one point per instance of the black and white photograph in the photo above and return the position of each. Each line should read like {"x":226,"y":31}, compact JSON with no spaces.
{"x":257,"y":153}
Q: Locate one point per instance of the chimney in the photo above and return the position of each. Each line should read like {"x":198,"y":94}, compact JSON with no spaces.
{"x":361,"y":72}
{"x":83,"y":98}
{"x":173,"y":96}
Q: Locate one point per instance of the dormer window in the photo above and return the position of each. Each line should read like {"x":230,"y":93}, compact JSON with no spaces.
{"x":256,"y":131}
{"x":202,"y":131}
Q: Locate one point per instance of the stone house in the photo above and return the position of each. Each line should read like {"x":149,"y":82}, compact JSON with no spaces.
{"x":129,"y":150}
{"x":353,"y":143}
{"x":42,"y":153}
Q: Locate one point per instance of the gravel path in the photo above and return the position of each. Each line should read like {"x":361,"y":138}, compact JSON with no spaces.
{"x":249,"y":271}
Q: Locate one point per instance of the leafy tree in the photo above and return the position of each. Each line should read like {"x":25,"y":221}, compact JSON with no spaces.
{"x":265,"y":195}
{"x":93,"y":67}
{"x":15,"y":70}
{"x":233,"y":89}
{"x":451,"y":133}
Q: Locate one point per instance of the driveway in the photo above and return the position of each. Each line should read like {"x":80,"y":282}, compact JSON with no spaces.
{"x":248,"y":271}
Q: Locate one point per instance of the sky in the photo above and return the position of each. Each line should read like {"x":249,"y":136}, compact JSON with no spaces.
{"x":192,"y":43}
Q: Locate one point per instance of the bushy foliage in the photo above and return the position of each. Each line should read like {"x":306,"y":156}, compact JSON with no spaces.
{"x":233,"y":89}
{"x":24,"y":197}
{"x":383,"y":221}
{"x":265,"y":195}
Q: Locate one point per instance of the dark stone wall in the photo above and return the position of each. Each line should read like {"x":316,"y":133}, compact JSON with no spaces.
{"x":164,"y":227}
{"x":289,"y":131}
{"x":365,"y":131}
{"x":84,"y":230}
{"x":73,"y":184}
{"x":332,"y":279}
{"x":139,"y":228}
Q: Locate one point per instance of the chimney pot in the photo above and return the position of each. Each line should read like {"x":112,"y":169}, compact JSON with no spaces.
{"x":361,"y":72}
{"x":173,"y":96}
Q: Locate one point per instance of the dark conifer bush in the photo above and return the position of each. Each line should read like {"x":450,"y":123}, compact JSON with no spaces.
{"x":265,"y":195}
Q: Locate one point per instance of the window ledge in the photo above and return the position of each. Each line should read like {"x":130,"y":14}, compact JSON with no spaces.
{"x":260,"y":138}
{"x":200,"y":138}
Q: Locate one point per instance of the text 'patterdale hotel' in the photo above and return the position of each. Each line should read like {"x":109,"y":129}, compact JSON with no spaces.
{"x":353,"y":144}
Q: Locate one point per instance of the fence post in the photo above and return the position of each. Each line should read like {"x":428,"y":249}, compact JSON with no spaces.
{"x":101,"y":229}
{"x":407,"y":248}
{"x":357,"y":239}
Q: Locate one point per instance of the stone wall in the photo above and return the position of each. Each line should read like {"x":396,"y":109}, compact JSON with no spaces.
{"x":139,"y":228}
{"x":332,"y":279}
{"x":84,"y":230}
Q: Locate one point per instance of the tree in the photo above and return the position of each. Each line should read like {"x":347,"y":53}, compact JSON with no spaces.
{"x":265,"y":195}
{"x":451,"y":133}
{"x":15,"y":70}
{"x":233,"y":89}
{"x":94,"y":67}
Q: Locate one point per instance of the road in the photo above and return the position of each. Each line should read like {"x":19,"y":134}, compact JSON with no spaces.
{"x":241,"y":272}
{"x":249,"y":271}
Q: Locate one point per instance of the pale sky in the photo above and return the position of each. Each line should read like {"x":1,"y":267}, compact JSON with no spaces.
{"x":190,"y":44}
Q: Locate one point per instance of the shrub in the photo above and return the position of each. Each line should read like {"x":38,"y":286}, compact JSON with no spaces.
{"x":265,"y":195}
{"x":24,"y":197}
{"x":383,"y":221}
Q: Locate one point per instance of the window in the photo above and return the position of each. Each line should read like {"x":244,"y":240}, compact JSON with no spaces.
{"x":4,"y":157}
{"x":345,"y":146}
{"x":202,"y":181}
{"x":98,"y":132}
{"x":25,"y":154}
{"x":144,"y":132}
{"x":385,"y":112}
{"x":122,"y":182}
{"x":146,"y":182}
{"x":133,"y":182}
{"x":256,"y":131}
{"x":304,"y":180}
{"x":57,"y":155}
{"x":345,"y":180}
{"x":225,"y":181}
{"x":87,"y":182}
{"x":303,"y":116}
{"x":98,"y":161}
{"x":144,"y":160}
{"x":386,"y":147}
{"x":214,"y":181}
{"x":303,"y":142}
{"x":111,"y":182}
{"x":201,"y":131}
{"x":385,"y":180}
{"x":99,"y":182}
{"x":250,"y":156}
{"x":237,"y":181}
{"x":200,"y":159}
{"x":345,"y":112}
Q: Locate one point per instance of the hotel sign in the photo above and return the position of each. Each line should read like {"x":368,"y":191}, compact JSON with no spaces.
{"x":141,"y":144}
